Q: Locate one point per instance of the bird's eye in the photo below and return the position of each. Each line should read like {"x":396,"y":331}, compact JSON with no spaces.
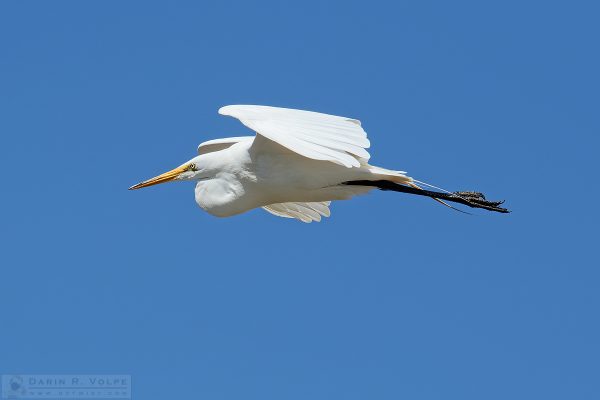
{"x":192,"y":167}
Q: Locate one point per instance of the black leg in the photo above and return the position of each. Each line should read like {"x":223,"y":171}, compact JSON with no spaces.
{"x":471,"y":199}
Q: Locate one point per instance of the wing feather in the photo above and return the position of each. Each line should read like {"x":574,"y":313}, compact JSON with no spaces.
{"x":325,"y":139}
{"x":220,"y":144}
{"x":305,"y":212}
{"x":313,"y":135}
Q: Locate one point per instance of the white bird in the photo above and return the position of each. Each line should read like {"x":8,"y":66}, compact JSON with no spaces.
{"x":298,"y":162}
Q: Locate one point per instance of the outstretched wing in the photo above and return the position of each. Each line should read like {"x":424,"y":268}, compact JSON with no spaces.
{"x":313,"y":135}
{"x":305,"y":212}
{"x":220,"y":144}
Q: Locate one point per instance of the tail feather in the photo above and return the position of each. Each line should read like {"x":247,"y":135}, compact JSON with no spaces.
{"x":390,"y":175}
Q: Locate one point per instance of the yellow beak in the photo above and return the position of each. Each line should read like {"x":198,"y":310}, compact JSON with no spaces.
{"x":162,"y":178}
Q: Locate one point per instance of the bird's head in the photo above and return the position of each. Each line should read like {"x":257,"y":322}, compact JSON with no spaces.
{"x":188,"y":171}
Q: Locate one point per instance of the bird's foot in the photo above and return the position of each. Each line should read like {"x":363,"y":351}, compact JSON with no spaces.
{"x":477,"y":200}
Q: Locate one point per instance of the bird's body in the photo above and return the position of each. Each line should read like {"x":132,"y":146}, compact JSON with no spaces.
{"x":251,"y":174}
{"x":298,"y":162}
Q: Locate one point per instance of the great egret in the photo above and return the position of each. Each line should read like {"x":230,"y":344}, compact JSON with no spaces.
{"x":298,"y":162}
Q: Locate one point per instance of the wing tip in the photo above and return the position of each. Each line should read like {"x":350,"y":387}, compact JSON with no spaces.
{"x":224,"y":110}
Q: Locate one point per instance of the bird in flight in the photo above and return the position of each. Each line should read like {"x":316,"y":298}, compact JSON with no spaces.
{"x":296,"y":164}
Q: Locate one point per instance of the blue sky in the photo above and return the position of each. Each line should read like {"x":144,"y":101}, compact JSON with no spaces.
{"x":392,"y":297}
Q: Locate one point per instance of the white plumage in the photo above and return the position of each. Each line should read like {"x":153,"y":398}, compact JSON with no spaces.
{"x":305,"y":212}
{"x":220,"y":144}
{"x":314,"y":135}
{"x":298,"y":162}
